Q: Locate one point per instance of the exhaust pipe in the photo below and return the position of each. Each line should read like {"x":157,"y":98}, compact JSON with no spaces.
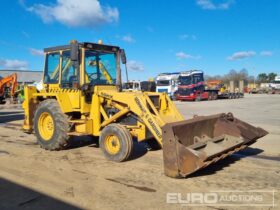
{"x":193,"y":144}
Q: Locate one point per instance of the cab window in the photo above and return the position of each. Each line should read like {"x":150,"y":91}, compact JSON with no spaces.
{"x":100,"y":67}
{"x":51,"y":75}
{"x":69,"y":76}
{"x":197,"y":78}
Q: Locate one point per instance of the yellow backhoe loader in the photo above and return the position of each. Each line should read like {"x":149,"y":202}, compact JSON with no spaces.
{"x":82,"y":95}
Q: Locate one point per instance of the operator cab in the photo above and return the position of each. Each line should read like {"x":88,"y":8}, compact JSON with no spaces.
{"x":191,"y":77}
{"x":190,"y":82}
{"x":76,"y":64}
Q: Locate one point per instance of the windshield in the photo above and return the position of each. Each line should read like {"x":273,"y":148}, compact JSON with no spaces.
{"x":163,"y":82}
{"x":100,"y":67}
{"x":276,"y":81}
{"x":185,"y":80}
{"x":128,"y":85}
{"x":192,"y":79}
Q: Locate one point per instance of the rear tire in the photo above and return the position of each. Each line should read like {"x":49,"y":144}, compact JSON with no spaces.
{"x":237,"y":95}
{"x":210,"y":96}
{"x":198,"y":98}
{"x":116,"y":142}
{"x":214,"y":96}
{"x":51,"y":126}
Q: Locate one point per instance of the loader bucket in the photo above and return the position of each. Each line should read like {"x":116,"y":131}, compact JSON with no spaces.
{"x":193,"y":144}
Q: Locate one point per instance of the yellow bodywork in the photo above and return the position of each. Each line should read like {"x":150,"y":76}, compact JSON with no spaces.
{"x":153,"y":110}
{"x":112,"y":144}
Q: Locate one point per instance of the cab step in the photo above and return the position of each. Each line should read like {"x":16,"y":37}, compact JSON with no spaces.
{"x":78,"y":121}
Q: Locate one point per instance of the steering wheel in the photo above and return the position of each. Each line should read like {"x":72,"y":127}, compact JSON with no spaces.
{"x":92,"y":76}
{"x":93,"y":79}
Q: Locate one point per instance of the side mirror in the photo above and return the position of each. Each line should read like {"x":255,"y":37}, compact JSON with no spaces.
{"x":74,"y":51}
{"x":123,"y":56}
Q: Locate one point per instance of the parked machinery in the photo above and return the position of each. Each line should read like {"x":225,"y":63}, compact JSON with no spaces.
{"x":132,"y":85}
{"x":8,"y":87}
{"x":148,"y":86}
{"x":223,"y":91}
{"x":192,"y":87}
{"x":79,"y":99}
{"x":275,"y":86}
{"x":167,"y":83}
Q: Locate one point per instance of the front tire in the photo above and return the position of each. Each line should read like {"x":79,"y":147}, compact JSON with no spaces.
{"x":198,"y":97}
{"x":210,"y":96}
{"x":215,"y":96}
{"x":116,"y":142}
{"x":51,"y":126}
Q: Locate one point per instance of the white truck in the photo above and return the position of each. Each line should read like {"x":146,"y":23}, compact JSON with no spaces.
{"x":132,"y":85}
{"x":276,"y":83}
{"x":167,"y":82}
{"x":275,"y":86}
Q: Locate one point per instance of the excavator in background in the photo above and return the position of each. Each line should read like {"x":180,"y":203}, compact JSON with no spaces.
{"x":8,"y":86}
{"x":77,"y":99}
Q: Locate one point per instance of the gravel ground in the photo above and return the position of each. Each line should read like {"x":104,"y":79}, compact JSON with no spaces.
{"x":80,"y":177}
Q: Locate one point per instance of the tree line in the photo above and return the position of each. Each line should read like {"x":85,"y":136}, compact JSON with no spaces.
{"x":243,"y":74}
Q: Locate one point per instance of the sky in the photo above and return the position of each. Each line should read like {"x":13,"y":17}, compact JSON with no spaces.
{"x":157,"y":35}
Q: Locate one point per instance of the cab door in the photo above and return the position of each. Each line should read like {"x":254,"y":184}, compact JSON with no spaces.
{"x":70,"y":79}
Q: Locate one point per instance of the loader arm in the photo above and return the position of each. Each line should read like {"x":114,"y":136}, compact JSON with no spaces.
{"x":188,"y":145}
{"x":153,"y":110}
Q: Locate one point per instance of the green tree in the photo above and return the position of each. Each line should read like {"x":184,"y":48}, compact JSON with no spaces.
{"x":251,"y":79}
{"x":271,"y":76}
{"x":262,"y":77}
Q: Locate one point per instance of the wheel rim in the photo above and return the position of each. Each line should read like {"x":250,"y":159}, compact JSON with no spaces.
{"x":112,"y":144}
{"x":46,"y":126}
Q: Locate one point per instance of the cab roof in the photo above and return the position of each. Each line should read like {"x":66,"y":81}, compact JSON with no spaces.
{"x":191,"y":72}
{"x":169,"y":73}
{"x":87,"y":45}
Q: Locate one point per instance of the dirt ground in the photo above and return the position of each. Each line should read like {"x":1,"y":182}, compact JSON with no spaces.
{"x":80,"y":177}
